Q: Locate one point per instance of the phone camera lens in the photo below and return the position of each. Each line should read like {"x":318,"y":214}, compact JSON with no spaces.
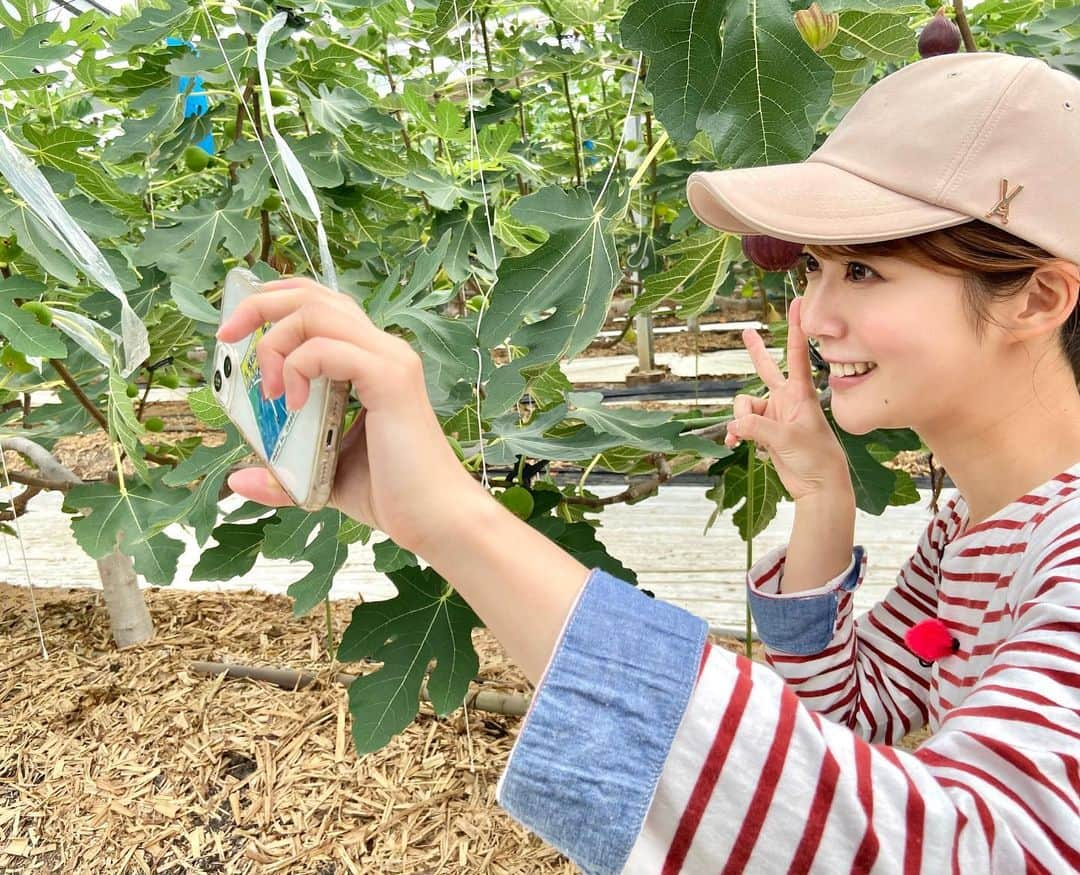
{"x":228,"y":367}
{"x":217,"y":381}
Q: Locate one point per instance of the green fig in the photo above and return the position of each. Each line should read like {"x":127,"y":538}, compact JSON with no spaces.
{"x":518,"y":500}
{"x":42,"y":313}
{"x":15,"y":361}
{"x":195,"y":159}
{"x":154,"y":423}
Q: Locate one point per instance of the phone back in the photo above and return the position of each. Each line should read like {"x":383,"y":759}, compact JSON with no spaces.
{"x":298,"y":446}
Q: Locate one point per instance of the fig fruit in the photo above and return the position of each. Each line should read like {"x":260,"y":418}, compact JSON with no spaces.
{"x":278,"y":97}
{"x":941,"y":36}
{"x":15,"y":361}
{"x":132,"y":390}
{"x":154,"y":423}
{"x":272,"y":202}
{"x":9,"y":249}
{"x":168,"y":381}
{"x":518,"y":500}
{"x":816,"y":27}
{"x":42,"y":313}
{"x":771,"y":253}
{"x":195,"y":159}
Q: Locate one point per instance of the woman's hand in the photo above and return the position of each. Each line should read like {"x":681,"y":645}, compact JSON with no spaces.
{"x":396,"y":471}
{"x":789,"y":422}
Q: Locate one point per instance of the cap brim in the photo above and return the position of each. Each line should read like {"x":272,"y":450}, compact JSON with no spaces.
{"x":811,"y":202}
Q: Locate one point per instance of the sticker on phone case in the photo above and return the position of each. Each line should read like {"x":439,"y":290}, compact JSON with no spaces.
{"x":273,"y":419}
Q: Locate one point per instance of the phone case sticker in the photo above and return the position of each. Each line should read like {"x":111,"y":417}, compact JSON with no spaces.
{"x":273,"y":419}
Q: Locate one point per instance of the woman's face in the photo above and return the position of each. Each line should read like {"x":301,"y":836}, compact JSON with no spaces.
{"x":910,"y":321}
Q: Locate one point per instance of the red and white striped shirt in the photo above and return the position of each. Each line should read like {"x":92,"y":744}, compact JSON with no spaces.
{"x":791,"y":769}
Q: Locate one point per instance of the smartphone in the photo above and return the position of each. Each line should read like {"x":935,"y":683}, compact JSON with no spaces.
{"x":299,"y":447}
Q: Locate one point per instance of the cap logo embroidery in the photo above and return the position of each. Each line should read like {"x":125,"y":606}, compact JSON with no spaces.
{"x":1002,"y":206}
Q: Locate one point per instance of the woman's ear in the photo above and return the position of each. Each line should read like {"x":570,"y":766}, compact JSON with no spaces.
{"x":1046,"y":301}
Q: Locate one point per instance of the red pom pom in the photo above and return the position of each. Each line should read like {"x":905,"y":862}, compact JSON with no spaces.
{"x":930,"y":640}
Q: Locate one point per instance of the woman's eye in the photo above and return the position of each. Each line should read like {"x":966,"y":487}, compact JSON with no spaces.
{"x":854,"y":267}
{"x":856,"y":270}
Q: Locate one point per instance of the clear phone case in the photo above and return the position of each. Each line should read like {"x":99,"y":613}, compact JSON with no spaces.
{"x":299,"y":447}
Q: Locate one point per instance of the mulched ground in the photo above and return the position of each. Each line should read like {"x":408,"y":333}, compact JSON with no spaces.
{"x":130,"y":762}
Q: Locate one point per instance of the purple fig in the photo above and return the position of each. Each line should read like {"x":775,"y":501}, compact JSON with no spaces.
{"x":940,"y":37}
{"x":770,"y":253}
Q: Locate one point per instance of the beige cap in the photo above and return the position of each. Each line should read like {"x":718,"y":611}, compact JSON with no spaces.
{"x":941,"y":141}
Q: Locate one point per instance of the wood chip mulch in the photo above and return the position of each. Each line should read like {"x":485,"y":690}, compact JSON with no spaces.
{"x":129,"y":762}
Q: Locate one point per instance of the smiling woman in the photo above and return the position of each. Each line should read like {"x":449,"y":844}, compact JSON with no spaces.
{"x":994,"y":265}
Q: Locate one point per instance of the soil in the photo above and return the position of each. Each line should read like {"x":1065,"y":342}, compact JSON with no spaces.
{"x":131,"y":762}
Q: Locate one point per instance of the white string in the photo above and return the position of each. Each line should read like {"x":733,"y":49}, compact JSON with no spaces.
{"x":258,"y":139}
{"x":622,"y":135}
{"x":474,"y":153}
{"x":26,"y":565}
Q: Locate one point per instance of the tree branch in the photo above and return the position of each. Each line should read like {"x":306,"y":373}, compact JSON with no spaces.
{"x":965,"y":28}
{"x":640,"y":489}
{"x":54,"y":474}
{"x":69,"y":381}
{"x":482,"y":700}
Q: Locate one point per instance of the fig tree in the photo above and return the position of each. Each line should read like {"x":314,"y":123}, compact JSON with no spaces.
{"x":940,"y":36}
{"x":771,"y":253}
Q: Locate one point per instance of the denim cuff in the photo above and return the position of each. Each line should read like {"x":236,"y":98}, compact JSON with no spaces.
{"x":802,"y":623}
{"x":586,"y":763}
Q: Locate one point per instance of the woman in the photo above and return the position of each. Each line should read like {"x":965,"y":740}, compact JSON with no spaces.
{"x":646,"y":749}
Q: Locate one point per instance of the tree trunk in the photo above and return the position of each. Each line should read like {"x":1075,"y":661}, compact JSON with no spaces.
{"x":128,"y":615}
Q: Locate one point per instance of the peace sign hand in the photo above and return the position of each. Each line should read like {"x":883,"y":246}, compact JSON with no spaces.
{"x":789,"y":422}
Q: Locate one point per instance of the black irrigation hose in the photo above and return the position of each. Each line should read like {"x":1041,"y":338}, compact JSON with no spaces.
{"x":666,"y":391}
{"x":565,"y":476}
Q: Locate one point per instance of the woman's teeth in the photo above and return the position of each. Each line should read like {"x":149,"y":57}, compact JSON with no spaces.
{"x":850,"y":370}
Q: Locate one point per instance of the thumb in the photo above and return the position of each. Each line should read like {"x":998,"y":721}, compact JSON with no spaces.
{"x":258,"y":484}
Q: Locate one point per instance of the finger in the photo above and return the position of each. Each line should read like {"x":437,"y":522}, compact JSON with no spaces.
{"x":763,"y":362}
{"x":258,"y":484}
{"x":760,"y":429}
{"x":798,"y":347}
{"x":333,"y":323}
{"x":275,"y":304}
{"x":744,"y":404}
{"x":369,"y":372}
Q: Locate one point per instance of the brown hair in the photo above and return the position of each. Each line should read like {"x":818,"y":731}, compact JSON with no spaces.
{"x":994,"y":264}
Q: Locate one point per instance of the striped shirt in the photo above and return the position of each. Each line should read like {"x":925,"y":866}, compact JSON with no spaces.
{"x":789,"y":767}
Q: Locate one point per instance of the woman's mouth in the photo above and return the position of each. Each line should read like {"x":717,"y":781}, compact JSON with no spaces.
{"x":839,"y":380}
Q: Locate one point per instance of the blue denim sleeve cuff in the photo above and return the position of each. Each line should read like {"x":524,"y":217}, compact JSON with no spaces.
{"x":801,"y":624}
{"x":589,"y":755}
